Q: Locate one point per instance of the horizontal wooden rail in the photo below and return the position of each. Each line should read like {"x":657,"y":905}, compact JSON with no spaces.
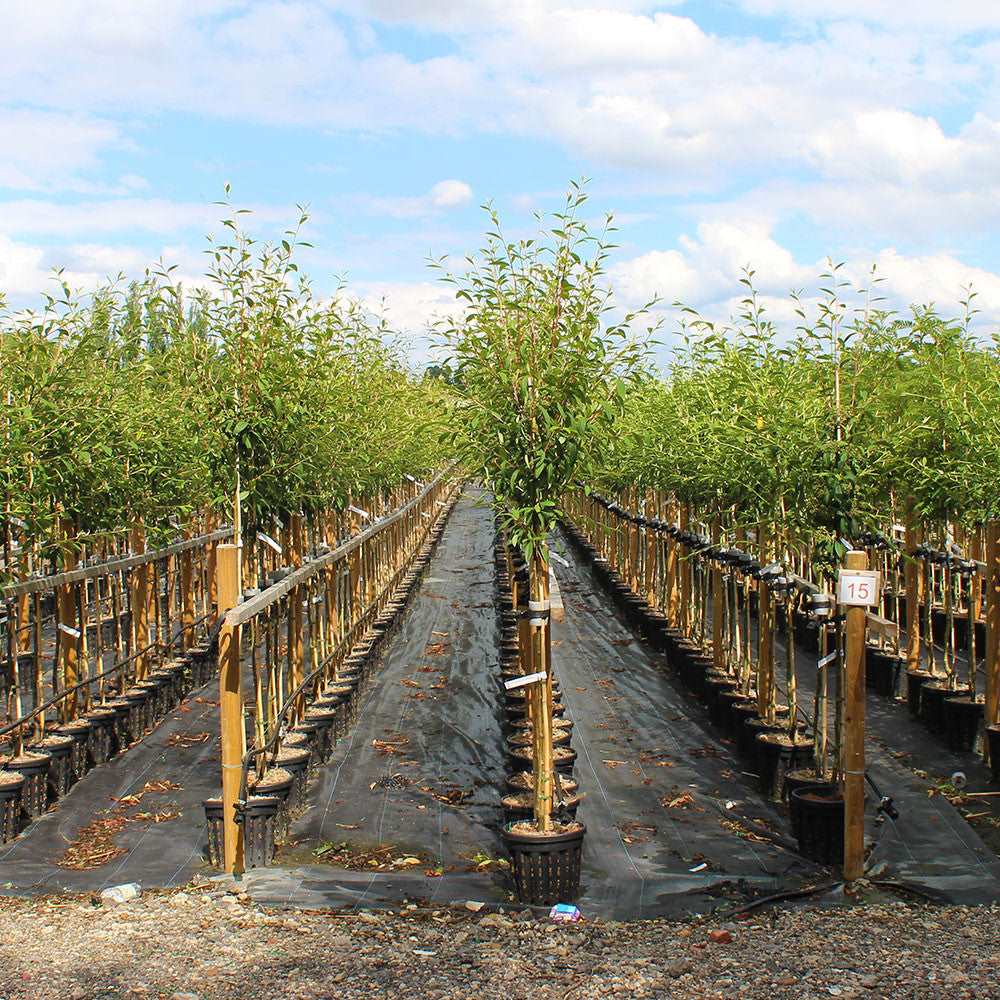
{"x":55,"y":580}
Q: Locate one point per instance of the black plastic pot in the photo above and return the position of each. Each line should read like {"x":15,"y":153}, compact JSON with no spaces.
{"x":295,"y":760}
{"x":277,"y":784}
{"x":915,"y":680}
{"x":882,"y":671}
{"x":546,"y":867}
{"x":213,"y":825}
{"x":776,"y":757}
{"x":261,"y":820}
{"x":11,"y":785}
{"x":79,"y":731}
{"x":730,"y":720}
{"x":962,"y":718}
{"x":716,"y":685}
{"x":819,"y":823}
{"x":993,"y":745}
{"x":103,"y":742}
{"x":140,"y":712}
{"x":933,"y":695}
{"x":34,"y":793}
{"x":744,"y":713}
{"x":60,"y":773}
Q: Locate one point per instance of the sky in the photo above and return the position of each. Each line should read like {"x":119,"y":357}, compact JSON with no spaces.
{"x":721,"y":133}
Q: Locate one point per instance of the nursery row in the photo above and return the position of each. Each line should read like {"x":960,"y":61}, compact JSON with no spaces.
{"x":311,"y":641}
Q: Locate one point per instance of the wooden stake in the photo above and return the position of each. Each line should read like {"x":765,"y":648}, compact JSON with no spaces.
{"x":853,"y":754}
{"x":718,"y":638}
{"x":231,"y":706}
{"x":992,"y":583}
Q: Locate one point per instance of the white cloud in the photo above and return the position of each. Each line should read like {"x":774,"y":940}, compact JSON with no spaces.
{"x":959,"y":16}
{"x":704,"y":272}
{"x":150,"y":215}
{"x":444,"y":195}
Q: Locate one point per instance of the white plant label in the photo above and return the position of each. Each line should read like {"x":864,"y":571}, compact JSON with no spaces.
{"x":269,"y":541}
{"x":69,"y":630}
{"x":827,"y":660}
{"x":359,"y":512}
{"x":859,"y":588}
{"x":516,"y":682}
{"x":558,"y":558}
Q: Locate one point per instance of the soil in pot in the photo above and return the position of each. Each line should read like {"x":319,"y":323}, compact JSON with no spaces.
{"x":277,"y":783}
{"x":520,"y":806}
{"x":819,"y":823}
{"x":962,"y":718}
{"x":524,"y":781}
{"x":563,"y":757}
{"x":11,"y":785}
{"x":777,"y":754}
{"x":546,"y":866}
{"x":295,"y":760}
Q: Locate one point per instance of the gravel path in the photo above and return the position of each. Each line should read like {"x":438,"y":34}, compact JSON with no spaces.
{"x":214,"y":944}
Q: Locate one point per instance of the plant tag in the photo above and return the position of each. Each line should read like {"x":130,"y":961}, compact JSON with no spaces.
{"x":360,"y":512}
{"x":699,"y":868}
{"x":516,"y":682}
{"x":827,"y":660}
{"x":859,"y":588}
{"x":424,"y":514}
{"x":409,"y":477}
{"x":558,"y":558}
{"x":269,"y":541}
{"x":69,"y":630}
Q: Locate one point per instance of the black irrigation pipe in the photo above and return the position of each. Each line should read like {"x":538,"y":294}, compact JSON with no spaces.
{"x":113,"y":669}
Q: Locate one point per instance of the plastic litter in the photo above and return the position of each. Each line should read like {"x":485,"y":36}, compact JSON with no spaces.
{"x":122,"y":893}
{"x":565,"y":913}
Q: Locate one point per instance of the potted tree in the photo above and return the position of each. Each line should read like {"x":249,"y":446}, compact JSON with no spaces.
{"x":541,"y":372}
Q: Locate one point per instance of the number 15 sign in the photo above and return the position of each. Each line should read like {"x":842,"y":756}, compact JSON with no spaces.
{"x":858,"y":587}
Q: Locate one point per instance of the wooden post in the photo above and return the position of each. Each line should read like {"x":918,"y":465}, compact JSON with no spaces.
{"x":765,"y":635}
{"x":66,"y":610}
{"x":992,"y":583}
{"x":187,"y":596}
{"x":139,"y":604}
{"x":853,"y":752}
{"x":231,"y":706}
{"x":684,"y":571}
{"x":718,"y":637}
{"x":538,"y":596}
{"x":913,"y":582}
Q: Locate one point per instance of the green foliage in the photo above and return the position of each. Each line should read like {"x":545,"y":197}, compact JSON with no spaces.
{"x":139,"y":404}
{"x":540,"y":366}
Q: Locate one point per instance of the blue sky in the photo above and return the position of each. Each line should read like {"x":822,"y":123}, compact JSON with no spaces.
{"x":721,"y":133}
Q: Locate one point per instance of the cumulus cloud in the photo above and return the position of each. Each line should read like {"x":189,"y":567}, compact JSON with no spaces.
{"x":704,"y":271}
{"x":443,"y":196}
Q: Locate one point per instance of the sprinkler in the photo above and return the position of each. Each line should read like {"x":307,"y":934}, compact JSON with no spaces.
{"x":885,"y":803}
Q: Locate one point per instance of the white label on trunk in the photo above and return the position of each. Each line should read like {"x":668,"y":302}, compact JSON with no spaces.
{"x":359,"y":512}
{"x":269,"y":541}
{"x":516,"y":682}
{"x":558,"y":558}
{"x":69,"y":630}
{"x":859,"y":588}
{"x":828,"y":659}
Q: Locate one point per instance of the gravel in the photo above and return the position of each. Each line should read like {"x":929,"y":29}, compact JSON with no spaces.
{"x":196,"y":945}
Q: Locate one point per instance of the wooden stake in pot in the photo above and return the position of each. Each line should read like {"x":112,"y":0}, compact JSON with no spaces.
{"x":231,"y":706}
{"x":853,"y":753}
{"x":992,"y":584}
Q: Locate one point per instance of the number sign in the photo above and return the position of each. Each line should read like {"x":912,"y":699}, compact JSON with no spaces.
{"x":858,"y":587}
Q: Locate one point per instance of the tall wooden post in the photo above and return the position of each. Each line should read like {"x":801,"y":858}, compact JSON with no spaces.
{"x":139,"y":603}
{"x":913,"y":581}
{"x":992,"y":583}
{"x":765,"y":634}
{"x":231,"y":706}
{"x":853,"y":753}
{"x":66,"y":609}
{"x":718,"y":638}
{"x":538,"y":605}
{"x":684,"y":571}
{"x":187,"y":596}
